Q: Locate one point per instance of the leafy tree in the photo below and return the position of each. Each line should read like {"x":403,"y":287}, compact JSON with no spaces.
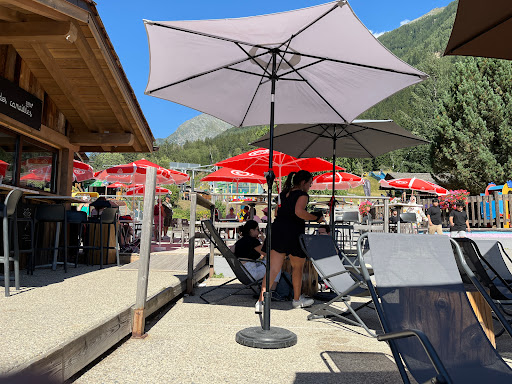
{"x":472,"y":140}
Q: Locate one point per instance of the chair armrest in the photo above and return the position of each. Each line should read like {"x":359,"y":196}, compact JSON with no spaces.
{"x":442,"y":373}
{"x":335,"y":274}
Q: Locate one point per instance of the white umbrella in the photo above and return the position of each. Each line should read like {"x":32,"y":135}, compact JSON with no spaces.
{"x":318,"y":64}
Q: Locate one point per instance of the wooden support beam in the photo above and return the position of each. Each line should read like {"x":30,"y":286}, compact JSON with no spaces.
{"x":102,"y":139}
{"x":7,"y":14}
{"x":37,"y":8}
{"x":92,"y":63}
{"x":64,"y":84}
{"x":65,"y":168}
{"x":43,"y":32}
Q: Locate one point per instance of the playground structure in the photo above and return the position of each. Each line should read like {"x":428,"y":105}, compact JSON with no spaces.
{"x":488,"y":209}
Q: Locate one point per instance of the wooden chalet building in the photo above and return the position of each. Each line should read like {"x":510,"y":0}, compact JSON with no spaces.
{"x":62,"y":91}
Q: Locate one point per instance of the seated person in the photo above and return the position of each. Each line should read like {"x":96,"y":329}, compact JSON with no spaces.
{"x":394,"y":218}
{"x":264,"y":218}
{"x":231,"y":215}
{"x":249,"y":247}
{"x":255,"y":217}
{"x":324,"y":229}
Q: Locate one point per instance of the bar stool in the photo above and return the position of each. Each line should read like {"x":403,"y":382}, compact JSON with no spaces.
{"x":8,"y":215}
{"x":55,"y":213}
{"x":107,"y":217}
{"x":78,"y":218}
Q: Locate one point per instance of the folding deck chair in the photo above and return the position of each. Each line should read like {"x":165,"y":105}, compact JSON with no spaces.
{"x":327,"y":260}
{"x":494,"y":252}
{"x":424,"y":311}
{"x":235,"y":263}
{"x":487,"y":272}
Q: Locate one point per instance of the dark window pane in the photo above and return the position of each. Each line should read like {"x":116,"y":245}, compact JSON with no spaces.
{"x":37,"y":166}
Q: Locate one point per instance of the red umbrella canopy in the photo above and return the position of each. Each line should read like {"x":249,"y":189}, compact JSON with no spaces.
{"x":81,"y":171}
{"x":256,"y":161}
{"x":3,"y":168}
{"x":117,"y":184}
{"x":139,"y":191}
{"x":136,"y":173}
{"x":342,"y":180}
{"x":415,"y":185}
{"x":234,"y":175}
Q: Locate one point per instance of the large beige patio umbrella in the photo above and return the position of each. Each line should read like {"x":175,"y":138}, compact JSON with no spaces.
{"x":318,"y":64}
{"x":482,"y":29}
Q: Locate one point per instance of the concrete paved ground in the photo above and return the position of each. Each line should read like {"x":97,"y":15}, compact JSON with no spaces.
{"x":54,"y":307}
{"x":195,"y":342}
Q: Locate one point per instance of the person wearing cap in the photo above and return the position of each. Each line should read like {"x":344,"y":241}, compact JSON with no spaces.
{"x":167,"y":206}
{"x":459,"y":221}
{"x":434,"y":219}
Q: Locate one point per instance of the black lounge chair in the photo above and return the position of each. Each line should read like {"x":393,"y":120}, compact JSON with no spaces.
{"x":424,"y":311}
{"x":235,"y":263}
{"x":343,"y":279}
{"x":494,"y":252}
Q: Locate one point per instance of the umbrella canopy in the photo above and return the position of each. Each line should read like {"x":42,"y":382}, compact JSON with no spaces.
{"x":482,"y":29}
{"x":3,"y":168}
{"x":360,"y":139}
{"x":234,"y":175}
{"x":256,"y":161}
{"x":117,"y":184}
{"x":136,"y":173}
{"x":343,"y":180}
{"x":139,"y":191}
{"x":415,"y":185}
{"x":332,"y":68}
{"x":81,"y":172}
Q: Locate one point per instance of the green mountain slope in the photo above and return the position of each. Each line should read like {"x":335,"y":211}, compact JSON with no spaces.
{"x":197,"y":128}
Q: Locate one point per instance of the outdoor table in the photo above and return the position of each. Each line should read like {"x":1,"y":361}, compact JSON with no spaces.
{"x":7,"y":188}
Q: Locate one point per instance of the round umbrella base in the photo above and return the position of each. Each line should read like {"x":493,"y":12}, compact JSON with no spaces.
{"x":274,"y":338}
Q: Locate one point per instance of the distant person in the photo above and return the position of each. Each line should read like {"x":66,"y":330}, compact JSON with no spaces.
{"x":231,"y":215}
{"x":158,"y":220}
{"x":244,"y":215}
{"x":324,"y":229}
{"x":459,"y":221}
{"x":394,"y":218}
{"x":264,"y":218}
{"x":289,"y":224}
{"x":434,"y":218}
{"x":249,"y":247}
{"x":167,"y":206}
{"x":420,"y":215}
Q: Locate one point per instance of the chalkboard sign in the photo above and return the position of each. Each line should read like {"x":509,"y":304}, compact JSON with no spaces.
{"x":20,"y":105}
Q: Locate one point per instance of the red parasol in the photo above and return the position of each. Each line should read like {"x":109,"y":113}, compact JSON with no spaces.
{"x":256,"y":161}
{"x":139,"y":191}
{"x":343,"y":180}
{"x":415,"y":185}
{"x":136,"y":173}
{"x":117,"y":184}
{"x":3,"y":168}
{"x":235,"y":176}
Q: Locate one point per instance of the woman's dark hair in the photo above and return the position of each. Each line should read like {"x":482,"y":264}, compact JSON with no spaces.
{"x":249,"y":224}
{"x":295,"y":178}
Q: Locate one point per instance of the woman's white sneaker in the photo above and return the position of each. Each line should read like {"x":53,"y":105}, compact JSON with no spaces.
{"x":303,"y":302}
{"x":258,"y":308}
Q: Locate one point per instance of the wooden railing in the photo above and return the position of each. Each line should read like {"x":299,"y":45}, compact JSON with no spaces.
{"x":491,"y":211}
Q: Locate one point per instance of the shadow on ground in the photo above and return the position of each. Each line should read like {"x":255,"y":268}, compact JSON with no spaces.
{"x":354,"y":367}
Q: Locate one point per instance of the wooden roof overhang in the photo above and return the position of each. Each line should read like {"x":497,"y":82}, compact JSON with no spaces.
{"x":66,"y":48}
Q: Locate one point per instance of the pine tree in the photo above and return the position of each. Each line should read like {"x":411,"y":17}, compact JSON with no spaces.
{"x":473,"y":135}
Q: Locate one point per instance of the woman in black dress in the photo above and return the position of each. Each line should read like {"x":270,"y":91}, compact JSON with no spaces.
{"x":290,"y":223}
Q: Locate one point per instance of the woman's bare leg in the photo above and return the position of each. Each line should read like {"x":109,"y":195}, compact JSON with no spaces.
{"x":276,"y":263}
{"x":297,"y":272}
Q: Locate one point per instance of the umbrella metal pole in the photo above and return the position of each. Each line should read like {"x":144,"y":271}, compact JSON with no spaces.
{"x":333,"y":224}
{"x":265,"y":337}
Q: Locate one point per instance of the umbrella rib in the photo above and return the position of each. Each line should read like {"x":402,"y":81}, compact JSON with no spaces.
{"x":392,"y":133}
{"x":247,"y":72}
{"x":316,"y":138}
{"x":481,"y":33}
{"x":313,"y":88}
{"x":204,"y":73}
{"x":254,"y":95}
{"x":356,"y":64}
{"x":204,"y":34}
{"x":265,"y":70}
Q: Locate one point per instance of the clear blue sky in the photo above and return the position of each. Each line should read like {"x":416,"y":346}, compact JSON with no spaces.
{"x":123,"y":22}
